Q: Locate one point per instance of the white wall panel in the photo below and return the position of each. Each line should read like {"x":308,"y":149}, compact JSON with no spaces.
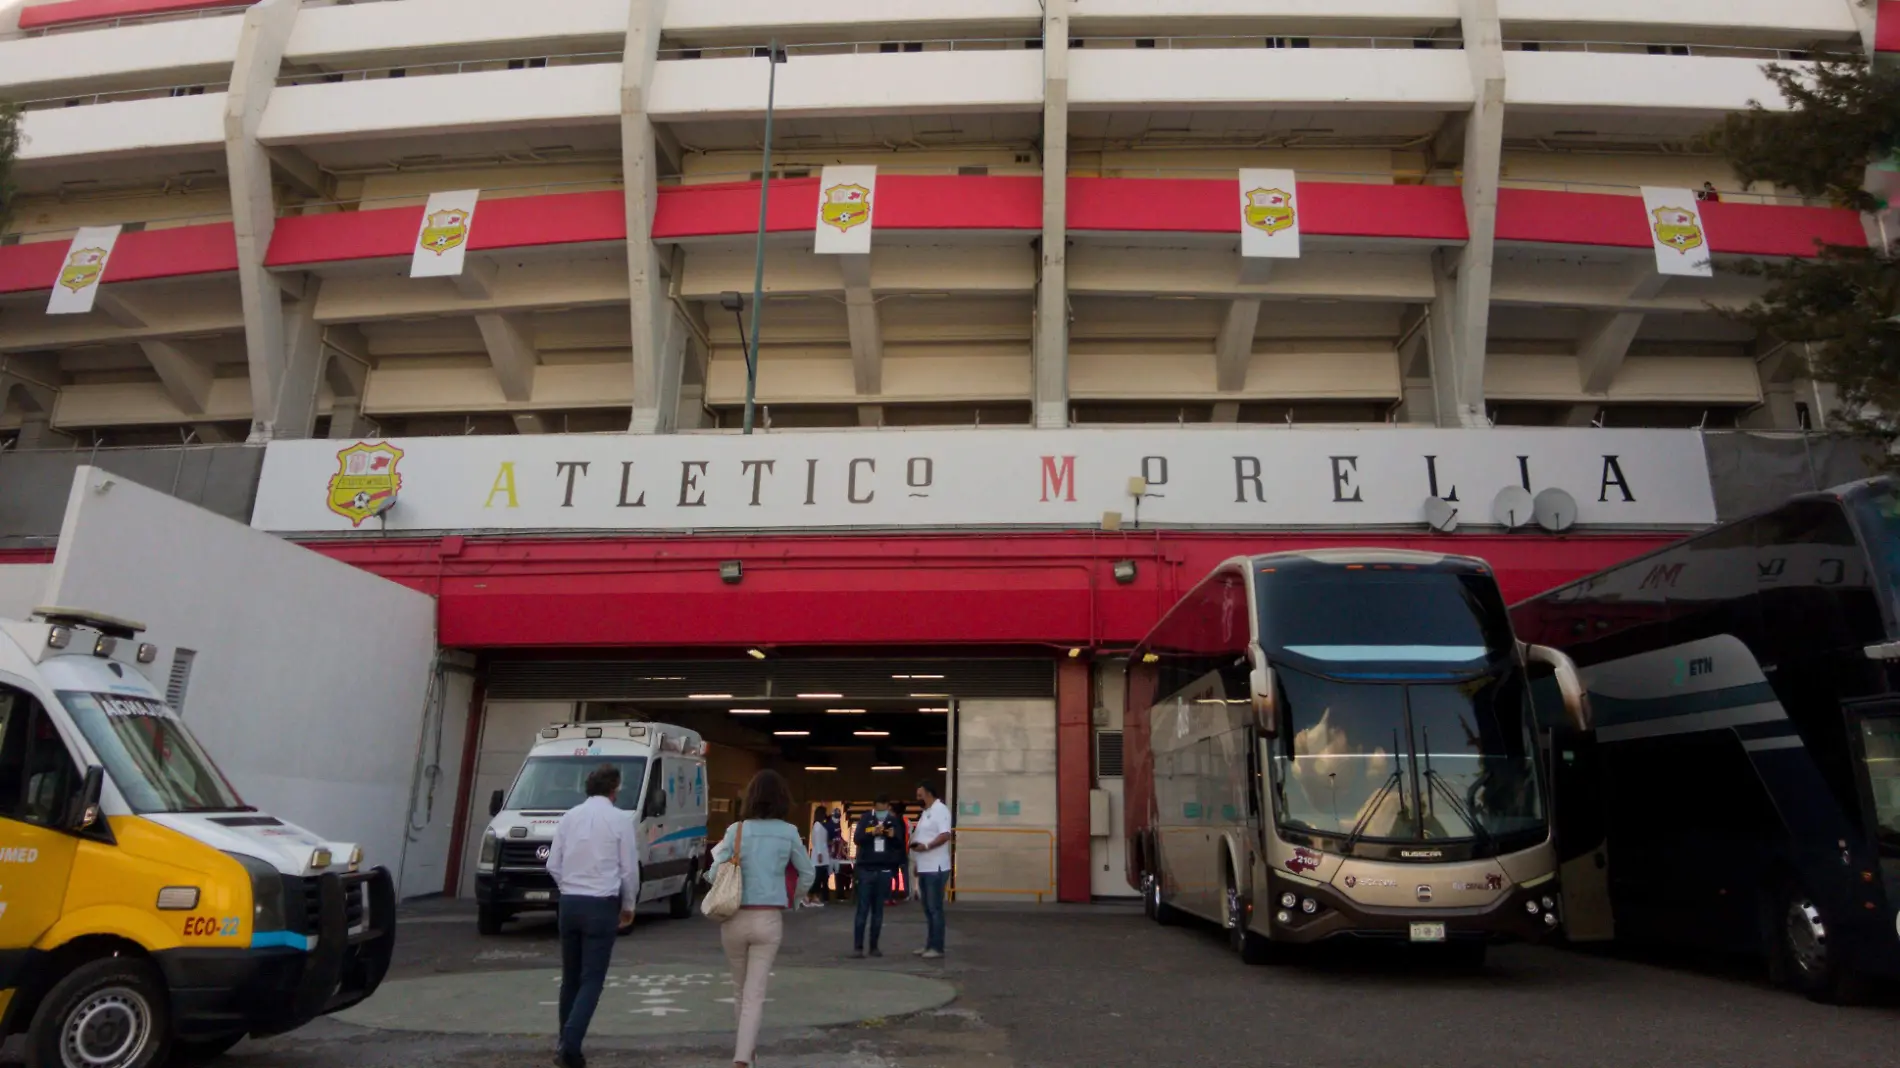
{"x":1579,"y":80}
{"x":140,"y":54}
{"x":1082,"y":12}
{"x":852,"y":84}
{"x":438,"y":24}
{"x":490,"y":100}
{"x":702,"y":16}
{"x":1237,"y":78}
{"x":100,"y":130}
{"x":310,"y":676}
{"x":22,"y":589}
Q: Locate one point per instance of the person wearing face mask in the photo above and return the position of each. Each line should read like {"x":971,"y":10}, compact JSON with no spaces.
{"x":881,"y":850}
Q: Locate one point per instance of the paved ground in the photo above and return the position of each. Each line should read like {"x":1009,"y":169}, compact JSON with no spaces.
{"x":1057,"y":988}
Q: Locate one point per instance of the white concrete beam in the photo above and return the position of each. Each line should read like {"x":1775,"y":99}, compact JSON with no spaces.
{"x":477,"y":280}
{"x":346,"y":419}
{"x":115,"y":306}
{"x":870,"y":415}
{"x":530,"y":423}
{"x":347,"y":363}
{"x":1605,"y":342}
{"x":860,"y":313}
{"x":541,"y":285}
{"x":1233,"y":349}
{"x":1051,"y":351}
{"x":1413,"y":348}
{"x":512,"y":352}
{"x":300,"y":172}
{"x":30,"y":333}
{"x":1458,"y":363}
{"x":656,"y":373}
{"x":187,"y":379}
{"x":1226,"y":412}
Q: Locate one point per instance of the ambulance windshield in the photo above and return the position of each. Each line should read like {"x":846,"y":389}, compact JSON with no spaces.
{"x":153,"y":760}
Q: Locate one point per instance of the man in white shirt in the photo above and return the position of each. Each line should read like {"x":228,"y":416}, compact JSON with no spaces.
{"x":930,"y":847}
{"x":595,"y":861}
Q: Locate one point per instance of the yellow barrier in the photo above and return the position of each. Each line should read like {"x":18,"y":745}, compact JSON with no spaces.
{"x":967,"y":836}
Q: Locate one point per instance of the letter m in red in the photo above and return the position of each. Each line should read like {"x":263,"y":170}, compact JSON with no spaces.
{"x":1058,"y":478}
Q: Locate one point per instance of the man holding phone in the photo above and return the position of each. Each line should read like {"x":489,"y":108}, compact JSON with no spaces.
{"x":880,"y":841}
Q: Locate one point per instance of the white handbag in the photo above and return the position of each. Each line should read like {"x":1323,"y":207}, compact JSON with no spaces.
{"x":728,"y":889}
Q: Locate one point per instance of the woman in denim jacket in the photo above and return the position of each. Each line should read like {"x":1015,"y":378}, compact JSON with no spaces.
{"x":768,"y":847}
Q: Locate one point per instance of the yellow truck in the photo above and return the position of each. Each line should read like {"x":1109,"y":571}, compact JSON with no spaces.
{"x":147,"y":913}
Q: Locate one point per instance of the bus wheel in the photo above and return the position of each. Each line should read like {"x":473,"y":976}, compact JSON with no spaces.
{"x":1252,"y":948}
{"x":489,"y":918}
{"x":1810,"y":962}
{"x":108,"y":1013}
{"x":1158,"y":910}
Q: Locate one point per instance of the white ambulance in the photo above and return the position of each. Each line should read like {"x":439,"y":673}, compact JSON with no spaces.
{"x":662,"y":787}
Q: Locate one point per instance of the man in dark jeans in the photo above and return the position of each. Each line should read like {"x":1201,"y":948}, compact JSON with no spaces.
{"x":931,"y":847}
{"x":880,"y":842}
{"x":595,"y":861}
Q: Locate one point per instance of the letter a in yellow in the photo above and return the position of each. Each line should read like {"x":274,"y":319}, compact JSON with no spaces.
{"x":504,"y":483}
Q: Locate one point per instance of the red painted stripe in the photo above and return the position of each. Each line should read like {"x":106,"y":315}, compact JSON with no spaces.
{"x":25,"y":556}
{"x":70,"y":11}
{"x":1887,"y":27}
{"x":511,"y":222}
{"x":1211,"y":206}
{"x":904,"y":202}
{"x":180,"y":251}
{"x":1608,"y":219}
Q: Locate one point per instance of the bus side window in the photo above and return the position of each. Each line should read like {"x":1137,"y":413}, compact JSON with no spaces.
{"x":37,"y":777}
{"x":1813,"y":581}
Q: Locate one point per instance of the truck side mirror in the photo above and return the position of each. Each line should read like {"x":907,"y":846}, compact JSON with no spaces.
{"x":1569,"y":683}
{"x":85,"y":808}
{"x":494,"y":803}
{"x":656,"y":805}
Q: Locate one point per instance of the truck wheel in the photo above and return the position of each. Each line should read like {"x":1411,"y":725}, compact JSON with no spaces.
{"x":108,"y":1013}
{"x":489,"y":918}
{"x":202,"y":1052}
{"x":680,"y":905}
{"x":1807,"y":957}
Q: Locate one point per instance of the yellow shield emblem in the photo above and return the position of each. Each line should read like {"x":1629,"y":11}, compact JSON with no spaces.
{"x":365,"y":480}
{"x":445,"y":230}
{"x":1270,"y":210}
{"x":1677,"y":228}
{"x":82,"y":268}
{"x":846,"y":206}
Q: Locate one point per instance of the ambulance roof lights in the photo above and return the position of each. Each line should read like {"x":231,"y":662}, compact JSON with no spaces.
{"x":593,"y":732}
{"x":104,"y":645}
{"x":99,"y":621}
{"x":636,"y":731}
{"x":59,"y":637}
{"x":147,"y":652}
{"x":550,"y":732}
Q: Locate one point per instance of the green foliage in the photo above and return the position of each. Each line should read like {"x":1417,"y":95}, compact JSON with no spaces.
{"x":9,"y":148}
{"x":1841,"y":305}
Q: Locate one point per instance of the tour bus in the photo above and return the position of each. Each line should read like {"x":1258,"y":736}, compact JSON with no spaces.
{"x":145,"y":910}
{"x":1743,"y":790}
{"x":662,"y":791}
{"x":1339,"y":744}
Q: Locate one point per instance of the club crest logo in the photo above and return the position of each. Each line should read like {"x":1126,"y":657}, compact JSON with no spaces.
{"x":846,"y":206}
{"x":444,"y":230}
{"x":1676,"y":228}
{"x":1269,"y":210}
{"x":365,"y":480}
{"x":82,"y":268}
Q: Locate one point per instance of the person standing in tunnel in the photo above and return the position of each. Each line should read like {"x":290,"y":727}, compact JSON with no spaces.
{"x":880,"y":842}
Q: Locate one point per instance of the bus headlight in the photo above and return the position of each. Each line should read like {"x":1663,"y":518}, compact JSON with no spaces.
{"x":1530,"y":907}
{"x":267,"y":893}
{"x":1288,"y":900}
{"x":490,"y":847}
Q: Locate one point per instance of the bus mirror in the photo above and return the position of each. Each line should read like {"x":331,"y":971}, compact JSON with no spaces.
{"x":1266,"y":694}
{"x":85,"y":810}
{"x":494,"y":803}
{"x":1576,"y":699}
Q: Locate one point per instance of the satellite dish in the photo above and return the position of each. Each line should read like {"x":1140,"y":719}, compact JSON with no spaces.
{"x":1554,"y":510}
{"x":1512,"y":507}
{"x":1441,"y":515}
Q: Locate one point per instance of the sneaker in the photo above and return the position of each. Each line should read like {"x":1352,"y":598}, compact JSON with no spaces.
{"x":876,"y":952}
{"x":858,"y":954}
{"x":932,"y":954}
{"x":918,"y":952}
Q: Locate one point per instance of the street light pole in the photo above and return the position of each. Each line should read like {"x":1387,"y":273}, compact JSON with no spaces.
{"x":772,"y":60}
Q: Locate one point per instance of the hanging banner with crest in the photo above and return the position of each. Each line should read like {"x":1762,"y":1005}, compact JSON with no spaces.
{"x":81,"y":270}
{"x":846,"y":199}
{"x":1269,"y":215}
{"x":1675,"y":226}
{"x":442,"y":242}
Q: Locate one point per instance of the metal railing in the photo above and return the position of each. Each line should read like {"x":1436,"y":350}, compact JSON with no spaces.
{"x":964,"y":835}
{"x":460,"y":66}
{"x":1269,"y":41}
{"x":1727,"y":195}
{"x":403,"y":199}
{"x":845,"y":48}
{"x":133,"y":20}
{"x":157,"y":92}
{"x":1659,"y":48}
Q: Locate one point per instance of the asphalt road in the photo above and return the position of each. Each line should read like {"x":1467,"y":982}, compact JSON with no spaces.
{"x":1103,"y":986}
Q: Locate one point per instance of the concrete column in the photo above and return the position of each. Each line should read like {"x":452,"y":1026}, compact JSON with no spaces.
{"x":656,"y":374}
{"x":1233,"y":348}
{"x":1052,"y":289}
{"x":1461,"y":318}
{"x":10,"y":22}
{"x":283,"y":376}
{"x":1075,"y":777}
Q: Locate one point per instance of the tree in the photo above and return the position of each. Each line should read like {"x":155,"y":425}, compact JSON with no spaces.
{"x":9,"y":148}
{"x":1844,"y":304}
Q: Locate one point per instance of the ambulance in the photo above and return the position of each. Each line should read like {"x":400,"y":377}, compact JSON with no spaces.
{"x":662,"y":789}
{"x":146,"y":912}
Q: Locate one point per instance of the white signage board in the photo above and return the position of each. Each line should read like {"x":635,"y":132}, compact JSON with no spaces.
{"x":442,"y":240}
{"x":1269,"y":215}
{"x":847,"y":199}
{"x":81,"y":270}
{"x":1675,"y":226}
{"x":1239,"y":478}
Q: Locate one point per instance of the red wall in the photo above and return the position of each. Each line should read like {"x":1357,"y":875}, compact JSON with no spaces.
{"x":66,"y":12}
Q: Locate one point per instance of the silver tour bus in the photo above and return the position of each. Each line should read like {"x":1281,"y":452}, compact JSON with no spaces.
{"x":1339,"y":744}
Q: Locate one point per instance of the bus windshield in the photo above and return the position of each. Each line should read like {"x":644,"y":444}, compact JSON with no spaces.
{"x":1880,"y":741}
{"x":1346,"y":620}
{"x":1408,"y":763}
{"x":154,"y":761}
{"x":560,"y":782}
